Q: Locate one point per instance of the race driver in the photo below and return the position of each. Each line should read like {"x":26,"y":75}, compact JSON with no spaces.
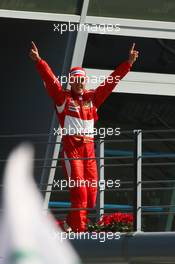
{"x":76,"y":110}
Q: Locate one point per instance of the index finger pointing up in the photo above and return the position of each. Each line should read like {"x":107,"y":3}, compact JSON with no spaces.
{"x":133,"y":46}
{"x":34,"y":46}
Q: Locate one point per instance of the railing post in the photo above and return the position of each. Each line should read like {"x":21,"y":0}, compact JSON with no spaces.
{"x":137,"y":180}
{"x":101,"y":184}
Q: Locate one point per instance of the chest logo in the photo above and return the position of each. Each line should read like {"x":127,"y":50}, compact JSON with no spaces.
{"x":87,"y":104}
{"x":74,"y":106}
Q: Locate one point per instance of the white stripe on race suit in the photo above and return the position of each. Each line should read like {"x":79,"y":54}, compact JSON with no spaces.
{"x":60,"y":108}
{"x":67,"y":165}
{"x":74,"y":126}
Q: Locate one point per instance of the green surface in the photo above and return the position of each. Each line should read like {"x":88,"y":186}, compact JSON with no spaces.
{"x":53,"y":6}
{"x":163,"y":10}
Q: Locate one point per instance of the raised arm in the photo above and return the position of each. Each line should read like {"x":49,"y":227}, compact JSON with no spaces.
{"x":51,"y":83}
{"x":105,"y":88}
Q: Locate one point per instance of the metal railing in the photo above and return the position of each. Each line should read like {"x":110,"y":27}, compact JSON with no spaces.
{"x":136,"y":159}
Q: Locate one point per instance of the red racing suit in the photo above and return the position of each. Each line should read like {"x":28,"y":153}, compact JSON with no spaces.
{"x":78,"y":113}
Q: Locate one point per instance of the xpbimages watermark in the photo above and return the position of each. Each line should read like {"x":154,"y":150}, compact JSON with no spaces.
{"x":63,"y":79}
{"x":102,"y":132}
{"x":101,"y":236}
{"x":101,"y":184}
{"x":72,"y":27}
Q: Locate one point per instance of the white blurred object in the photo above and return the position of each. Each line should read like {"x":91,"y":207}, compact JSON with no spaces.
{"x":27,"y":234}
